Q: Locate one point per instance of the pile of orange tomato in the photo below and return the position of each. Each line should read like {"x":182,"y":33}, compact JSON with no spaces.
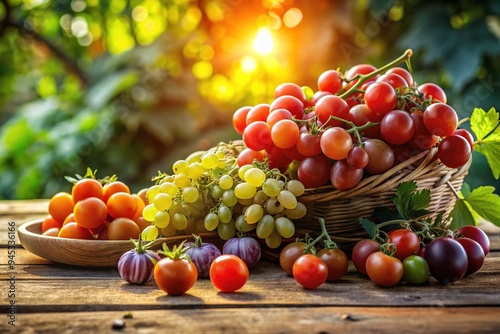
{"x":96,"y":211}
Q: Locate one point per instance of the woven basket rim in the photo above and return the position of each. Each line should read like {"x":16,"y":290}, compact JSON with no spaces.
{"x":388,"y":181}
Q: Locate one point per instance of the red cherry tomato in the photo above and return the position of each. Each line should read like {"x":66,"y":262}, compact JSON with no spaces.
{"x":406,"y":241}
{"x":384,"y":270}
{"x":175,"y":276}
{"x":290,"y":254}
{"x":360,"y":253}
{"x":310,"y":271}
{"x":336,"y":261}
{"x":228,"y":273}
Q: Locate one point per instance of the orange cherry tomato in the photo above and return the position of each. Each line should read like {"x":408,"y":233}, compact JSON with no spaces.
{"x":86,"y":188}
{"x":50,"y":222}
{"x":51,"y":232}
{"x":60,"y":206}
{"x":74,"y":231}
{"x":141,"y":222}
{"x":90,"y":212}
{"x":69,"y":219}
{"x":113,"y":188}
{"x":142,"y":194}
{"x":140,"y":207}
{"x":122,"y":205}
{"x":123,"y":229}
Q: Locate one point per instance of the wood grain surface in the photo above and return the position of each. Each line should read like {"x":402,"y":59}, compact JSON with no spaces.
{"x":58,"y":298}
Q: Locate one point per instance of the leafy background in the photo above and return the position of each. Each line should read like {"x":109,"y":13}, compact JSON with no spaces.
{"x":127,"y":86}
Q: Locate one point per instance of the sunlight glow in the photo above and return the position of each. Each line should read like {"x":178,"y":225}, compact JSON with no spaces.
{"x":248,"y":64}
{"x":263,"y":42}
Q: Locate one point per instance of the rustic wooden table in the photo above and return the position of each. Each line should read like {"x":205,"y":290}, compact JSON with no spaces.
{"x":43,"y":297}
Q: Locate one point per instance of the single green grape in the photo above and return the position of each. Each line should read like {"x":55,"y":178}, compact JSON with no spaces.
{"x":260,"y":198}
{"x":242,"y":170}
{"x":271,"y":187}
{"x":209,"y":160}
{"x":298,"y":212}
{"x":149,"y":212}
{"x":221,"y":155}
{"x":273,"y":206}
{"x":274,"y":240}
{"x":244,"y":191}
{"x":169,"y":188}
{"x":162,"y":219}
{"x":242,"y":225}
{"x":152,"y":192}
{"x":180,"y":167}
{"x":226,"y":231}
{"x":265,"y":226}
{"x":211,"y":221}
{"x":295,"y":187}
{"x":179,"y":220}
{"x":216,"y":192}
{"x":167,"y":178}
{"x":162,"y":201}
{"x":225,"y":214}
{"x":285,"y":227}
{"x":169,"y":231}
{"x":229,"y":198}
{"x":195,"y":170}
{"x":253,"y":213}
{"x":226,"y":182}
{"x":255,"y":177}
{"x":149,"y":233}
{"x":182,"y":181}
{"x":287,"y":199}
{"x":190,"y":194}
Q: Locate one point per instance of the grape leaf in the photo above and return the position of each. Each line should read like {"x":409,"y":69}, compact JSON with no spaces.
{"x":411,"y":203}
{"x":482,"y":123}
{"x":370,"y":227}
{"x":485,"y":127}
{"x":485,"y":203}
{"x":461,"y":215}
{"x":492,"y":154}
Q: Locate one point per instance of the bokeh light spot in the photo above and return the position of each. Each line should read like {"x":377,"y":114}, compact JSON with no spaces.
{"x":292,"y":17}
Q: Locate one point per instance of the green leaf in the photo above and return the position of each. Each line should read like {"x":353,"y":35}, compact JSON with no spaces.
{"x":418,"y":202}
{"x":485,"y":203}
{"x":461,"y":215}
{"x":17,"y":136}
{"x":485,"y":126}
{"x":465,"y":190}
{"x":370,"y":227}
{"x":108,"y":87}
{"x":482,"y":123}
{"x":411,"y":203}
{"x":492,"y":153}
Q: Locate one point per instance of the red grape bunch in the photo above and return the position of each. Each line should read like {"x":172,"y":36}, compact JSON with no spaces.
{"x":358,"y":123}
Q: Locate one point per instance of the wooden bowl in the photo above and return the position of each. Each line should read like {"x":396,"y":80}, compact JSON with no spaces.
{"x":87,"y":253}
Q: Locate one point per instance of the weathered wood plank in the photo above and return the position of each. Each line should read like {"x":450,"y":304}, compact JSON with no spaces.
{"x":29,"y":267}
{"x":269,"y":320}
{"x":267,"y":286}
{"x":13,"y":207}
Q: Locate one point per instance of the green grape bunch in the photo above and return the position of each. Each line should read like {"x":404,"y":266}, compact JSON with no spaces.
{"x":209,"y":191}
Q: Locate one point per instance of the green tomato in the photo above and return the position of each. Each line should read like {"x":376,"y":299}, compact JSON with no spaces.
{"x":415,"y":269}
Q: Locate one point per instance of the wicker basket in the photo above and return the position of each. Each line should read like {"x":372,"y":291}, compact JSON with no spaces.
{"x":341,"y":209}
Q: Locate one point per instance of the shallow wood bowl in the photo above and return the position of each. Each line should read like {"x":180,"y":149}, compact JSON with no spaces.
{"x":88,"y":253}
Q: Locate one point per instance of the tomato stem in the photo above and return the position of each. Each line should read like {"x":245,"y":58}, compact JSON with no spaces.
{"x":329,"y":243}
{"x":405,"y":57}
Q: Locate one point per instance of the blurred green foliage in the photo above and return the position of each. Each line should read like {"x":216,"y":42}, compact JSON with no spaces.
{"x":128,"y":86}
